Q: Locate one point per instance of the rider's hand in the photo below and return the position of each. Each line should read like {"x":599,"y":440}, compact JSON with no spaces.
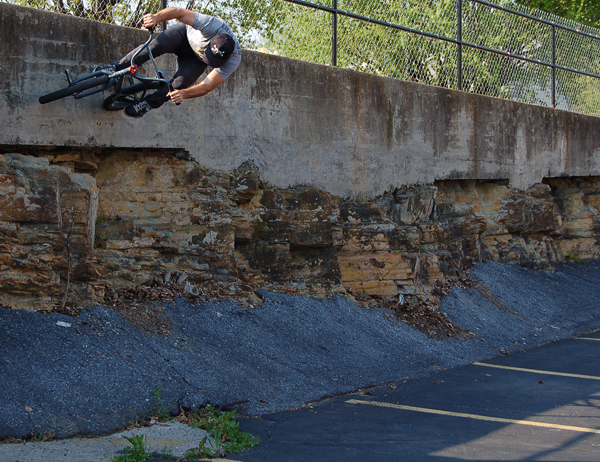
{"x":148,"y":21}
{"x":176,"y":96}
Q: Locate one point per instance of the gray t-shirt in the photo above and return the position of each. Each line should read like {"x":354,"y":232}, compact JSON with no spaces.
{"x":201,"y":33}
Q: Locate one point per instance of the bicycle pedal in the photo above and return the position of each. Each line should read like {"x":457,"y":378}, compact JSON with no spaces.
{"x":69,"y":76}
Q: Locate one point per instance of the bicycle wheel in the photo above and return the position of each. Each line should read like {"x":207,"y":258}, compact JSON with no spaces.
{"x":118,"y":102}
{"x":72,"y":89}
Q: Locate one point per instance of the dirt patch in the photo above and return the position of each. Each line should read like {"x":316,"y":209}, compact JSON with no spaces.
{"x":145,"y":306}
{"x":423,"y":314}
{"x":142,"y":307}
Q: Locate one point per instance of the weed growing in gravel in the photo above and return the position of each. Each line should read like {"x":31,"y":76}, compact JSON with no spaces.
{"x":137,"y":452}
{"x":223,"y":434}
{"x":159,"y":411}
{"x":41,"y":437}
{"x":199,"y":452}
{"x":134,"y":453}
{"x":223,"y":428}
{"x":167,"y":454}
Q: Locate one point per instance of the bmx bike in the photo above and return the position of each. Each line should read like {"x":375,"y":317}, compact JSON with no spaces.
{"x":127,"y":85}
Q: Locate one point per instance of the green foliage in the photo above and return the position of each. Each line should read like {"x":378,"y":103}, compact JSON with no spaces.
{"x":123,"y":12}
{"x":134,"y":453}
{"x":253,"y":21}
{"x":160,"y":411}
{"x":98,"y":236}
{"x":573,"y":257}
{"x":199,"y":452}
{"x":42,"y":437}
{"x":167,"y":454}
{"x":583,"y":11}
{"x":223,"y":435}
{"x":223,"y":428}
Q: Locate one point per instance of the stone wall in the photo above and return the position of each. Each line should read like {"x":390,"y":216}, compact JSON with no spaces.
{"x":98,"y":219}
{"x":47,"y":220}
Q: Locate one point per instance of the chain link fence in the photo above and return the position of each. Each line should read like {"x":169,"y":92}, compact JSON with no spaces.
{"x":503,"y":50}
{"x":121,"y":12}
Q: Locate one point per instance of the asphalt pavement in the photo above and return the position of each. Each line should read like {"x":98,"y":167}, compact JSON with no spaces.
{"x":91,"y":375}
{"x":542,"y":404}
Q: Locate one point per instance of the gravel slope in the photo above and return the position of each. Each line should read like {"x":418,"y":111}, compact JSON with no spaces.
{"x":92,"y":374}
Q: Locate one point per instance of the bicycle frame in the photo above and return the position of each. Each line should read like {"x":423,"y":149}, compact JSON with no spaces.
{"x":116,"y":78}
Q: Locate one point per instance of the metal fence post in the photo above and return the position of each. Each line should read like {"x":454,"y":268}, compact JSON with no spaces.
{"x":459,"y":38}
{"x":164,"y":23}
{"x":334,"y":35}
{"x":553,"y":66}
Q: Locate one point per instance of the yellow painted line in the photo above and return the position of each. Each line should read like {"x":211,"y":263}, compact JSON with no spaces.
{"x":476,"y":417}
{"x":219,"y":460}
{"x":535,"y":371}
{"x":587,"y":338}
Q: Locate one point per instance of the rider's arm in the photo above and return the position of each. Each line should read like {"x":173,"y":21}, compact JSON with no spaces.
{"x":212,"y":81}
{"x":181,"y":14}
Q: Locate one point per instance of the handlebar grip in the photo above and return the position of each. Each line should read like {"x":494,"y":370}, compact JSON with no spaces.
{"x":150,"y":29}
{"x":173,"y":89}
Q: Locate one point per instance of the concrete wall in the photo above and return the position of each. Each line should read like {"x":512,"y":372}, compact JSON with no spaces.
{"x":349,"y":133}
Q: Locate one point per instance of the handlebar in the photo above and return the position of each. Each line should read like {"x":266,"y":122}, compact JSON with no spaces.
{"x":150,"y":79}
{"x":103,"y":79}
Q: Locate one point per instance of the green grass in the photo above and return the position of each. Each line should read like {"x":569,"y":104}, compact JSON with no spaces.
{"x":224,"y":429}
{"x":160,"y":411}
{"x":134,"y":453}
{"x":200,"y":452}
{"x":167,"y":454}
{"x":574,"y":258}
{"x":42,"y":437}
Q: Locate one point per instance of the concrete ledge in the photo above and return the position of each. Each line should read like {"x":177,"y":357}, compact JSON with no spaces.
{"x":349,"y":133}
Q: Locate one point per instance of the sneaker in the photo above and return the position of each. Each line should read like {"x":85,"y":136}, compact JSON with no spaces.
{"x":108,"y":68}
{"x":137,"y":109}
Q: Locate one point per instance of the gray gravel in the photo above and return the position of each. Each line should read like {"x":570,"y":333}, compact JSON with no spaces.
{"x":95,"y":373}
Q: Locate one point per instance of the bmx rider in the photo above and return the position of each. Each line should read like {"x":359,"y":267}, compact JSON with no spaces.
{"x":198,"y":41}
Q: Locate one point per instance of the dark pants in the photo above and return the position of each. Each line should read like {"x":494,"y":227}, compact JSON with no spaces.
{"x":189,"y":66}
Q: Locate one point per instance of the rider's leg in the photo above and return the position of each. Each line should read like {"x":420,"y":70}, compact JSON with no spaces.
{"x":189,"y":68}
{"x":168,"y":41}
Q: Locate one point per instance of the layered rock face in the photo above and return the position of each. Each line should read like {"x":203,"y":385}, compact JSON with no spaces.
{"x":73,"y":224}
{"x":47,"y":218}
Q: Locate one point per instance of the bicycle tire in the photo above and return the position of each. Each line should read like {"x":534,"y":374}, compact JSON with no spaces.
{"x":72,"y":89}
{"x":117,"y":102}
